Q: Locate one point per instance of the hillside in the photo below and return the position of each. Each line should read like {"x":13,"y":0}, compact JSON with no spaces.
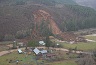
{"x":44,"y":2}
{"x":17,"y":18}
{"x":42,"y":16}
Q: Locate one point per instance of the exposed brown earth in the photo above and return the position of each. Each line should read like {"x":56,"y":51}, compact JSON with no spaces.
{"x":69,"y":36}
{"x":41,"y":14}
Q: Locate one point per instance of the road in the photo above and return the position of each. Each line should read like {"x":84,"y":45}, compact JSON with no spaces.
{"x":6,"y":52}
{"x":61,"y":49}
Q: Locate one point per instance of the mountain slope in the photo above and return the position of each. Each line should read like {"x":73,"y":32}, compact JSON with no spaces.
{"x":44,"y":2}
{"x":43,"y":16}
{"x":19,"y":18}
{"x":71,"y":2}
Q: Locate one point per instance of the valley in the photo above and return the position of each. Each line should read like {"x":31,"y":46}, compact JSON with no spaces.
{"x":47,"y":32}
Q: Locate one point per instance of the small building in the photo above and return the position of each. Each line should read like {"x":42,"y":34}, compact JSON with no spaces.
{"x":43,"y":51}
{"x":20,"y":51}
{"x":41,"y":42}
{"x":37,"y":51}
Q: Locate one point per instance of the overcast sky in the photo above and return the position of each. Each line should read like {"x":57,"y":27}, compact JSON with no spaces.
{"x":89,"y":3}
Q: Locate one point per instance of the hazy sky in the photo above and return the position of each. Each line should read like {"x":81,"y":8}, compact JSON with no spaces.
{"x":85,"y":0}
{"x":89,"y":3}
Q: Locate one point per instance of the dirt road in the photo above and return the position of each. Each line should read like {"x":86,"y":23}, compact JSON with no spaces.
{"x":61,"y":49}
{"x":6,"y":52}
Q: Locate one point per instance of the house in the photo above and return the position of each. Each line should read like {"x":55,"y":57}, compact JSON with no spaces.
{"x":37,"y":51}
{"x":43,"y":51}
{"x":41,"y":43}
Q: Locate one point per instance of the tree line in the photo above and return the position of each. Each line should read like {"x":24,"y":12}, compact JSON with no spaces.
{"x":82,"y":18}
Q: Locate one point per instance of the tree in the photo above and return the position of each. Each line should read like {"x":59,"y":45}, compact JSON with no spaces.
{"x":44,"y":28}
{"x":87,"y":60}
{"x":14,"y":45}
{"x":94,"y":53}
{"x":48,"y":42}
{"x":33,"y":43}
{"x":1,"y":37}
{"x":9,"y":37}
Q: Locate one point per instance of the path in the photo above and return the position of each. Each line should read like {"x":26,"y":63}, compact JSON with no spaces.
{"x":66,"y":50}
{"x":6,"y":52}
{"x":61,"y":49}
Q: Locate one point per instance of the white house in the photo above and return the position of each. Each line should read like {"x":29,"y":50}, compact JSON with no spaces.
{"x":41,"y":42}
{"x":43,"y":51}
{"x":37,"y":51}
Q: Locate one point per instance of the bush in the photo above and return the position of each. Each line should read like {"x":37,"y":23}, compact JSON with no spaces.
{"x":33,"y":44}
{"x":22,"y":34}
{"x":9,"y":37}
{"x":1,"y":37}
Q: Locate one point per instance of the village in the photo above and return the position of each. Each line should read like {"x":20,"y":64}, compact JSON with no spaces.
{"x":40,"y":54}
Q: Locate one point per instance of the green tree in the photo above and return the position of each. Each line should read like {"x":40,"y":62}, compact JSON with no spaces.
{"x":1,"y":37}
{"x":9,"y":37}
{"x":14,"y":45}
{"x":48,"y":42}
{"x":44,"y":28}
{"x":33,"y":43}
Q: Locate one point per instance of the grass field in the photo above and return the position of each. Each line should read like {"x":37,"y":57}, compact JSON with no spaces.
{"x":3,"y":45}
{"x":68,"y":62}
{"x":4,"y":60}
{"x":81,"y":46}
{"x":29,"y":60}
{"x":85,"y":46}
{"x":6,"y":42}
{"x":91,"y":37}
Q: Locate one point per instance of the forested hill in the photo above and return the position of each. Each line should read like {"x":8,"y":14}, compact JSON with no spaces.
{"x":71,"y":2}
{"x":50,"y":2}
{"x":16,"y":16}
{"x":44,"y":2}
{"x":78,"y":17}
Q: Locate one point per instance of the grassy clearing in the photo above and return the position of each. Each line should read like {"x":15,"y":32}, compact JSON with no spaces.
{"x":80,"y":46}
{"x":4,"y":60}
{"x":91,"y":37}
{"x":3,"y":47}
{"x":6,"y":42}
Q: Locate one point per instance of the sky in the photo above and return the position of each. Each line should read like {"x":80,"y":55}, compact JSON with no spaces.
{"x":88,"y":3}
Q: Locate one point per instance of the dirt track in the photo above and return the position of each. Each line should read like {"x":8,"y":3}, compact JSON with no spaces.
{"x":61,"y":49}
{"x":6,"y":52}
